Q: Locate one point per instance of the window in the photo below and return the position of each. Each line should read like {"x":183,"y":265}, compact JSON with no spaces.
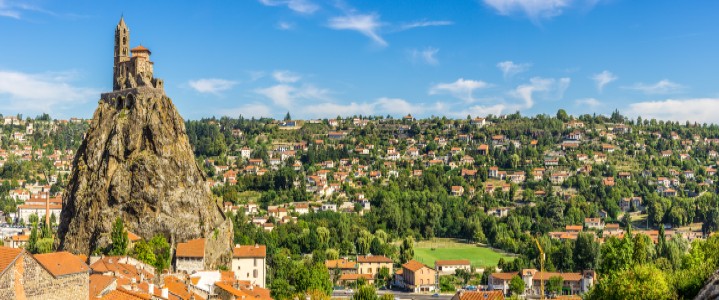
{"x":369,"y":270}
{"x":254,"y":273}
{"x":255,"y":262}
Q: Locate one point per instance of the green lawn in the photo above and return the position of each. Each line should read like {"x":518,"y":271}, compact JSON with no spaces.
{"x":448,"y":249}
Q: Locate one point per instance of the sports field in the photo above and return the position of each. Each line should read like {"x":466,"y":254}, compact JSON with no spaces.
{"x":447,"y":249}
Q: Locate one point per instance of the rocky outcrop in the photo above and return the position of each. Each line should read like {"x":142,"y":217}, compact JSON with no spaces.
{"x":710,"y":289}
{"x":136,"y":163}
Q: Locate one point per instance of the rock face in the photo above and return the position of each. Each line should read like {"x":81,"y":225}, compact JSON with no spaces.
{"x":136,"y":163}
{"x":710,"y":289}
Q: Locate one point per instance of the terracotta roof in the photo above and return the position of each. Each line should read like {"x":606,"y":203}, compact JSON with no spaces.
{"x":133,"y":237}
{"x":356,"y":276}
{"x":414,"y":265}
{"x":453,"y":262}
{"x":244,"y":293}
{"x":250,"y":251}
{"x":99,"y":283}
{"x":122,"y":294}
{"x":7,"y":257}
{"x":479,"y":295}
{"x":176,"y":287}
{"x":139,"y":49}
{"x":566,"y":276}
{"x":504,"y":275}
{"x":192,"y":248}
{"x":62,"y":263}
{"x":340,"y":264}
{"x":373,"y":259}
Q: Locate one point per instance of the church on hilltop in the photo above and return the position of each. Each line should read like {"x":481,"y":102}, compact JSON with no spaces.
{"x":132,"y":67}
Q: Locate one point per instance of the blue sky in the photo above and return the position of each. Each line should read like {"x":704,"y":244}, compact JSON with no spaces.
{"x":318,"y":59}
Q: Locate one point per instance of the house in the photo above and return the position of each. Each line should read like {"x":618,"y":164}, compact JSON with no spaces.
{"x":418,"y":277}
{"x":372,"y":264}
{"x":574,"y":283}
{"x":595,"y":223}
{"x":450,"y":267}
{"x":457,"y":190}
{"x":341,"y":266}
{"x":240,"y":290}
{"x":58,"y":275}
{"x":626,"y":204}
{"x":478,"y":295}
{"x":249,"y":264}
{"x":347,"y":279}
{"x":190,"y":256}
{"x":328,"y":207}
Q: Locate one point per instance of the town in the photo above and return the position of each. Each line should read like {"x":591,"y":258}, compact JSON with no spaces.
{"x":353,"y":198}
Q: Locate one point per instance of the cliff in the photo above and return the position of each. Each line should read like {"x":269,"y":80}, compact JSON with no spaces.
{"x":136,"y":163}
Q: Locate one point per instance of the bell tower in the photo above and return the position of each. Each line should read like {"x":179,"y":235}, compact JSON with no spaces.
{"x":122,"y":52}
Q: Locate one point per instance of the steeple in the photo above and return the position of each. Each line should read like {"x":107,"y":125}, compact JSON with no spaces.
{"x":122,"y":49}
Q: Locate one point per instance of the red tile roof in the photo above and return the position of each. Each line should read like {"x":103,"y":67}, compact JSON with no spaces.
{"x":62,"y":263}
{"x":373,"y":259}
{"x":99,"y":283}
{"x":250,"y":251}
{"x":414,"y":265}
{"x":7,"y":257}
{"x":192,"y":248}
{"x":479,"y":295}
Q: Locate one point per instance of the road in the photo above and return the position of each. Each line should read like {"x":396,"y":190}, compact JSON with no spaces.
{"x":340,"y":294}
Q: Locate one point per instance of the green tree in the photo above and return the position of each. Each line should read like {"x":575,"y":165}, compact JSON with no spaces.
{"x":638,"y":282}
{"x":406,"y":250}
{"x":585,"y":252}
{"x":365,"y":292}
{"x":555,"y":283}
{"x":44,"y":245}
{"x":516,"y":285}
{"x":144,"y":252}
{"x":119,"y":238}
{"x":32,"y":241}
{"x":161,"y":249}
{"x":616,"y":255}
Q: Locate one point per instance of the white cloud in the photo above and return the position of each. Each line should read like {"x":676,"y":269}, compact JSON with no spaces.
{"x":286,"y":76}
{"x":282,"y":25}
{"x":287,"y":96}
{"x":701,"y":110}
{"x":428,"y":56}
{"x":419,"y":24}
{"x":256,"y":110}
{"x":211,"y":85}
{"x":536,"y":10}
{"x":367,"y":25}
{"x":588,"y":102}
{"x":300,"y":6}
{"x":549,"y":87}
{"x":664,"y":86}
{"x":509,"y":68}
{"x":461,"y":89}
{"x":603,"y":78}
{"x":45,"y":92}
{"x":382,"y":106}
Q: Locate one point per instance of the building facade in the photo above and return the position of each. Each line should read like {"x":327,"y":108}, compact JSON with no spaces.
{"x":249,"y":264}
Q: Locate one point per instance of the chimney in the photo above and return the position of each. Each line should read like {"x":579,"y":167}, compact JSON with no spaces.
{"x":165,"y":293}
{"x":257,"y":245}
{"x":151,"y":288}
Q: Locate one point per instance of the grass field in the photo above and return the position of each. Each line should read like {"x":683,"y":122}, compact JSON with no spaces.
{"x":445,"y":249}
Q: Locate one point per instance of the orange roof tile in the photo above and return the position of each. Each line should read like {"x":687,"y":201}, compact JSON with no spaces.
{"x":356,"y":276}
{"x":414,"y":265}
{"x":62,"y":263}
{"x":192,"y":248}
{"x":99,"y":283}
{"x":122,"y":294}
{"x":139,"y":48}
{"x":7,"y":257}
{"x":373,"y":259}
{"x":249,"y":251}
{"x":504,"y":275}
{"x":133,"y":237}
{"x":479,"y":295}
{"x":340,"y":264}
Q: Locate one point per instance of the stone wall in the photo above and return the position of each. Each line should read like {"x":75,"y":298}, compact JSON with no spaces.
{"x":189,"y":265}
{"x":27,"y":279}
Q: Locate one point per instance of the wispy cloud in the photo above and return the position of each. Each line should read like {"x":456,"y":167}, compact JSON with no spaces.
{"x":366,"y":24}
{"x":549,"y":87}
{"x":300,"y":6}
{"x":45,"y":92}
{"x":462,"y":88}
{"x":603,"y":78}
{"x":256,"y":110}
{"x":282,"y":25}
{"x":509,"y":68}
{"x":284,"y":76}
{"x":588,"y":102}
{"x":701,"y":110}
{"x":288,"y":96}
{"x":664,"y":86}
{"x":537,"y":10}
{"x":427,"y":56}
{"x":418,"y":24}
{"x":211,"y":85}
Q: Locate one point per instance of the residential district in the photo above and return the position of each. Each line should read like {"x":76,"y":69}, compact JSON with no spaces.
{"x":342,"y":192}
